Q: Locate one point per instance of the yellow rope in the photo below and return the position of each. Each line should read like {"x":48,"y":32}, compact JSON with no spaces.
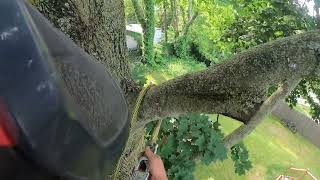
{"x":139,"y":100}
{"x":155,"y":133}
{"x":134,"y":118}
{"x":135,"y":114}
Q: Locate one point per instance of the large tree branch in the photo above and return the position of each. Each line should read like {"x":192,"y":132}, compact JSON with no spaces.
{"x":266,"y":108}
{"x":236,"y":87}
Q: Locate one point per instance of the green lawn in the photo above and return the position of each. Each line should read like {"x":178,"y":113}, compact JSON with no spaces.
{"x":272,"y":150}
{"x":302,"y":109}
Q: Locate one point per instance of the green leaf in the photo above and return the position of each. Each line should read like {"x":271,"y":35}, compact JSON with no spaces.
{"x":168,"y":148}
{"x":220,"y":152}
{"x":240,"y":156}
{"x":200,"y":142}
{"x":208,"y":157}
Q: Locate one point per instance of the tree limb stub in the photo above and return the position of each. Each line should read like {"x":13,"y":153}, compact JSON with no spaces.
{"x":236,"y":87}
{"x":266,"y":108}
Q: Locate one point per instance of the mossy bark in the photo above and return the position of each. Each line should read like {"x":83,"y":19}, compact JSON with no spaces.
{"x":93,"y":26}
{"x":146,"y":17}
{"x":149,"y":30}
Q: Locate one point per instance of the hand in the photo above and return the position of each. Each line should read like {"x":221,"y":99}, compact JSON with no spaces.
{"x":157,"y":171}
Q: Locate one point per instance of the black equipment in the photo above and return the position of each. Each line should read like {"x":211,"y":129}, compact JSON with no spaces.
{"x":45,"y":132}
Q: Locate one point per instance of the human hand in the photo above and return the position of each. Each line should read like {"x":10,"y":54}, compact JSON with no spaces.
{"x":157,"y":171}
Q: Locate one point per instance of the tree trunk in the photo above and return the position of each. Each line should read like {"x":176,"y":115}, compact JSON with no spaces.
{"x":139,"y":12}
{"x":93,"y":26}
{"x":175,"y":18}
{"x":165,"y":22}
{"x":147,"y":21}
{"x":171,"y":14}
{"x":190,"y":9}
{"x":317,"y":10}
{"x":183,"y":15}
{"x":148,"y":30}
{"x":187,"y":26}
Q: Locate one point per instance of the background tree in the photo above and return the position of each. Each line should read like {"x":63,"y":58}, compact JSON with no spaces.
{"x":147,"y":20}
{"x":236,"y":87}
{"x":317,"y":11}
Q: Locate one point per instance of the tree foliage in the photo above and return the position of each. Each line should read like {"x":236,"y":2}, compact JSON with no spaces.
{"x":240,"y":157}
{"x":258,"y":22}
{"x":189,"y":137}
{"x":192,"y":137}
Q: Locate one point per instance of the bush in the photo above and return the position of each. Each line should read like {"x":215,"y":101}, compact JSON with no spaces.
{"x":186,"y":138}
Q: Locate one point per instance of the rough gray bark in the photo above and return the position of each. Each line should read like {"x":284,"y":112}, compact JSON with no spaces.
{"x":91,"y":24}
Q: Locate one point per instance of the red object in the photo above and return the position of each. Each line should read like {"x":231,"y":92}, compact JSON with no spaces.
{"x":7,"y":130}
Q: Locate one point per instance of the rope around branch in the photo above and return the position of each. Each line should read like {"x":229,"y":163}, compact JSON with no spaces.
{"x":139,"y":100}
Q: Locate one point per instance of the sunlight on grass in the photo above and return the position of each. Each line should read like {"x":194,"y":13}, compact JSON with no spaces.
{"x":173,"y":68}
{"x":272,"y":150}
{"x":177,"y":68}
{"x":303,"y":109}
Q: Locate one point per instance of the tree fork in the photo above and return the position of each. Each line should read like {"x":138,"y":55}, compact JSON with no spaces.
{"x":266,"y":108}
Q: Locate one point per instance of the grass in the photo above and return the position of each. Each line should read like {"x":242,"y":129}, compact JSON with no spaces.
{"x":303,"y":109}
{"x":272,"y":150}
{"x":168,"y":68}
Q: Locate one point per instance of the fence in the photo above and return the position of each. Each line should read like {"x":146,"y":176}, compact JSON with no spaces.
{"x":304,"y":125}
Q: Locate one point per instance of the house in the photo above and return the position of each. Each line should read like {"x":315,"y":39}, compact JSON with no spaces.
{"x":132,"y":42}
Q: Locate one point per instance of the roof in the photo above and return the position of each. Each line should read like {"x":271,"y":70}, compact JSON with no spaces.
{"x":134,"y":28}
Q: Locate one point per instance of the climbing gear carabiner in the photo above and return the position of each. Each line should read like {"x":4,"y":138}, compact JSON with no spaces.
{"x":142,"y":170}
